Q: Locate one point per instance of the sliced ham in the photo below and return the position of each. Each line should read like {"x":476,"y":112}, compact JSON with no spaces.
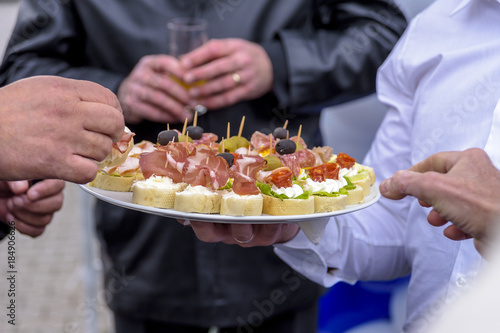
{"x":244,"y":172}
{"x":203,"y":168}
{"x":260,"y":141}
{"x":167,"y":161}
{"x":206,"y":139}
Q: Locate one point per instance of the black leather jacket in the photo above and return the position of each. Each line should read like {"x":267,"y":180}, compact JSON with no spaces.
{"x":321,"y":51}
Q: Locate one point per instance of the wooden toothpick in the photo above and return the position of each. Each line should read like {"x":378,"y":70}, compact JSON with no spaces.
{"x":184,"y":127}
{"x":241,"y":126}
{"x":195,"y":120}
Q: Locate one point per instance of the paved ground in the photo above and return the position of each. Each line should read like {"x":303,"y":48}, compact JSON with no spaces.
{"x":53,"y":284}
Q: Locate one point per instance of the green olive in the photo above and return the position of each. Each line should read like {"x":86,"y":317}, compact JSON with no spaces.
{"x":240,"y":141}
{"x":273,"y":162}
{"x":182,"y":138}
{"x":229,"y":146}
{"x":233,"y":143}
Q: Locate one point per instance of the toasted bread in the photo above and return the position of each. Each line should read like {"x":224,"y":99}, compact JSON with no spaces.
{"x":275,"y":206}
{"x":158,"y":192}
{"x":197,"y":199}
{"x":241,"y":205}
{"x":113,"y":183}
{"x":329,"y":204}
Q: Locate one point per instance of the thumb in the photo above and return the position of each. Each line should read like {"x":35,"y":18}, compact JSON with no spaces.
{"x":19,"y":187}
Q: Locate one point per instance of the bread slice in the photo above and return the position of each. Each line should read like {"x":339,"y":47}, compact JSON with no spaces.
{"x":197,"y":199}
{"x":369,"y":170}
{"x":275,"y":206}
{"x":355,"y":196}
{"x":241,"y":205}
{"x":364,"y":183}
{"x":158,"y":192}
{"x":113,"y":183}
{"x":329,"y":204}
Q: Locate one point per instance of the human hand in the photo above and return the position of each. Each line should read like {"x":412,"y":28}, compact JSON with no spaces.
{"x":56,"y":128}
{"x":462,"y":187}
{"x":244,"y":235}
{"x":221,"y":62}
{"x":150,"y":93}
{"x":32,"y":208}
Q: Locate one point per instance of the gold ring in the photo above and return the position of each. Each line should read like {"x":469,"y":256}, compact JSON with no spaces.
{"x":236,"y":78}
{"x":243,"y":242}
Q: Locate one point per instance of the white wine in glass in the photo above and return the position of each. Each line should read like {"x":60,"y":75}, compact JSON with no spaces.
{"x":186,"y":34}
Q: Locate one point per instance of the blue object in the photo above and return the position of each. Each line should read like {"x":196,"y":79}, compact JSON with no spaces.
{"x":345,"y":306}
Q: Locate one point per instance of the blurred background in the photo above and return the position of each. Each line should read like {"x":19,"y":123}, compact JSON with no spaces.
{"x":59,"y":287}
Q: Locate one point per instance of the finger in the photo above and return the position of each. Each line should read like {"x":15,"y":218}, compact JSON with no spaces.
{"x":435,"y":219}
{"x":168,"y":85}
{"x":454,"y":233}
{"x":423,"y":203}
{"x":165,"y":64}
{"x":18,"y":187}
{"x":92,"y":92}
{"x":159,"y":105}
{"x":102,"y":119}
{"x":268,"y":234}
{"x":406,"y":182}
{"x":78,"y":169}
{"x":93,"y":145}
{"x":210,"y":232}
{"x":225,"y":99}
{"x":45,"y":189}
{"x":440,"y":162}
{"x":242,"y":233}
{"x":215,"y":86}
{"x":26,"y":210}
{"x":213,"y":49}
{"x":28,"y":229}
{"x":212,"y":70}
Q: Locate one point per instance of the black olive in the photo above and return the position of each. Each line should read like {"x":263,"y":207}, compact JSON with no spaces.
{"x":284,"y":147}
{"x":228,"y":157}
{"x":164,"y":137}
{"x":195,"y":132}
{"x":280,"y":133}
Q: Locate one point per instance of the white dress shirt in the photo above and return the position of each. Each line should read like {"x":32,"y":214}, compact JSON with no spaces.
{"x":441,"y":83}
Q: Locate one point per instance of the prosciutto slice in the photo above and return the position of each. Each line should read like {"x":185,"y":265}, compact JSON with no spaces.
{"x":303,"y":158}
{"x":122,"y":145}
{"x":260,"y":141}
{"x":166,"y":161}
{"x":206,"y":139}
{"x":244,"y":171}
{"x":204,"y":168}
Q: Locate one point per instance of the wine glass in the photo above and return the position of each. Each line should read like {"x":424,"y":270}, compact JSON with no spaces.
{"x":185,"y":35}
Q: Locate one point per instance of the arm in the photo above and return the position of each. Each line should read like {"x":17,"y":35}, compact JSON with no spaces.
{"x":461,"y":187}
{"x":369,"y":244}
{"x":48,"y":40}
{"x":348,"y":42}
{"x":340,"y":54}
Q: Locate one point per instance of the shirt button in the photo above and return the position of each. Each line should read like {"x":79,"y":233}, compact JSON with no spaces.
{"x":461,"y":282}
